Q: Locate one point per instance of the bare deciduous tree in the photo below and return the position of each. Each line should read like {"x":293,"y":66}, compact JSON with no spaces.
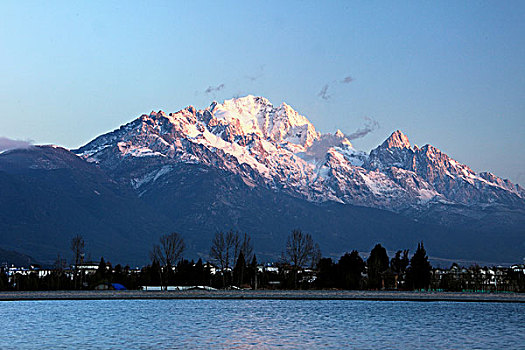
{"x":247,"y":247}
{"x":167,"y":252}
{"x":300,"y":248}
{"x":77,"y":247}
{"x":170,"y":249}
{"x":224,"y":250}
{"x":234,"y":243}
{"x":316,"y":256}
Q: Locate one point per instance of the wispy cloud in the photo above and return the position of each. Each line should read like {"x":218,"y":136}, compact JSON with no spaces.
{"x":370,"y":125}
{"x":211,"y":89}
{"x":324,"y":93}
{"x":6,"y":144}
{"x":347,"y":79}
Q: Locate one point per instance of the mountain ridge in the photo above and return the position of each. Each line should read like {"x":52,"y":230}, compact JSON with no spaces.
{"x":287,"y":153}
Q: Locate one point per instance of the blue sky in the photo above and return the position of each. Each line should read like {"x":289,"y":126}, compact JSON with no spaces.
{"x":450,"y":73}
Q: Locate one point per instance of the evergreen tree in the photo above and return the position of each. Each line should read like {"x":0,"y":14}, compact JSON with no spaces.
{"x":326,"y":276}
{"x":119,"y":276}
{"x":155,"y":274}
{"x":246,"y":247}
{"x":350,"y":267}
{"x":238,"y":271}
{"x":169,"y":274}
{"x":377,"y":263}
{"x":199,"y":273}
{"x":101,"y":271}
{"x":4,"y":282}
{"x":399,"y":265}
{"x":420,"y":270}
{"x":58,"y":273}
{"x":404,"y":260}
{"x":253,"y":272}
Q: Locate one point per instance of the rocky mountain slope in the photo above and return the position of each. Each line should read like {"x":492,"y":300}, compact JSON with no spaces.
{"x":277,"y":148}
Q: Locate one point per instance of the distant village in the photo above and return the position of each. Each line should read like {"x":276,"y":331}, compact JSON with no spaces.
{"x":233,"y":265}
{"x":269,"y":276}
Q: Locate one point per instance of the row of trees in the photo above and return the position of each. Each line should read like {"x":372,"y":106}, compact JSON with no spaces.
{"x":400,"y":272}
{"x":230,"y":252}
{"x":235,"y":264}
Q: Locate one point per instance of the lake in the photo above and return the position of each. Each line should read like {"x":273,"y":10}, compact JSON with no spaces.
{"x":260,"y":324}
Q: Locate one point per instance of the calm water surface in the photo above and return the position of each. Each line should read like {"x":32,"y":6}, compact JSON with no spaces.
{"x":260,"y":324}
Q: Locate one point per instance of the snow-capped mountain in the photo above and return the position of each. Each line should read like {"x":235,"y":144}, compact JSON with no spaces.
{"x":250,"y":166}
{"x":279,"y":149}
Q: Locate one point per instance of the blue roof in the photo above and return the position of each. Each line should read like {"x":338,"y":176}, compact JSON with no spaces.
{"x":118,"y":286}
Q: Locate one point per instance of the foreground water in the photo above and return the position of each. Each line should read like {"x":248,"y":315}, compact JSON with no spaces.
{"x":294,"y":324}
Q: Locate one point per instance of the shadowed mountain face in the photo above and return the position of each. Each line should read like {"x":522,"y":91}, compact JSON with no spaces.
{"x":48,"y":195}
{"x":247,"y":165}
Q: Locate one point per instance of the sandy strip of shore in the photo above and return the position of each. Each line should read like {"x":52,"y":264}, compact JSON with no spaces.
{"x":265,"y":295}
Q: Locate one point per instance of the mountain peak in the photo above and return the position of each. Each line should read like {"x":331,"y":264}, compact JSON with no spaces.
{"x":339,"y":134}
{"x":255,"y":114}
{"x":397,"y":140}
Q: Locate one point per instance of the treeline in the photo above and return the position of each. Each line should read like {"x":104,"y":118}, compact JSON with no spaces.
{"x":233,"y":264}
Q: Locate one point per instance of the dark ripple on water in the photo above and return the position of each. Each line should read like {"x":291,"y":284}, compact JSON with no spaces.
{"x":260,"y":324}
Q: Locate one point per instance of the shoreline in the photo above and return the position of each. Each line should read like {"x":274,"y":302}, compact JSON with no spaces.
{"x":264,"y":295}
